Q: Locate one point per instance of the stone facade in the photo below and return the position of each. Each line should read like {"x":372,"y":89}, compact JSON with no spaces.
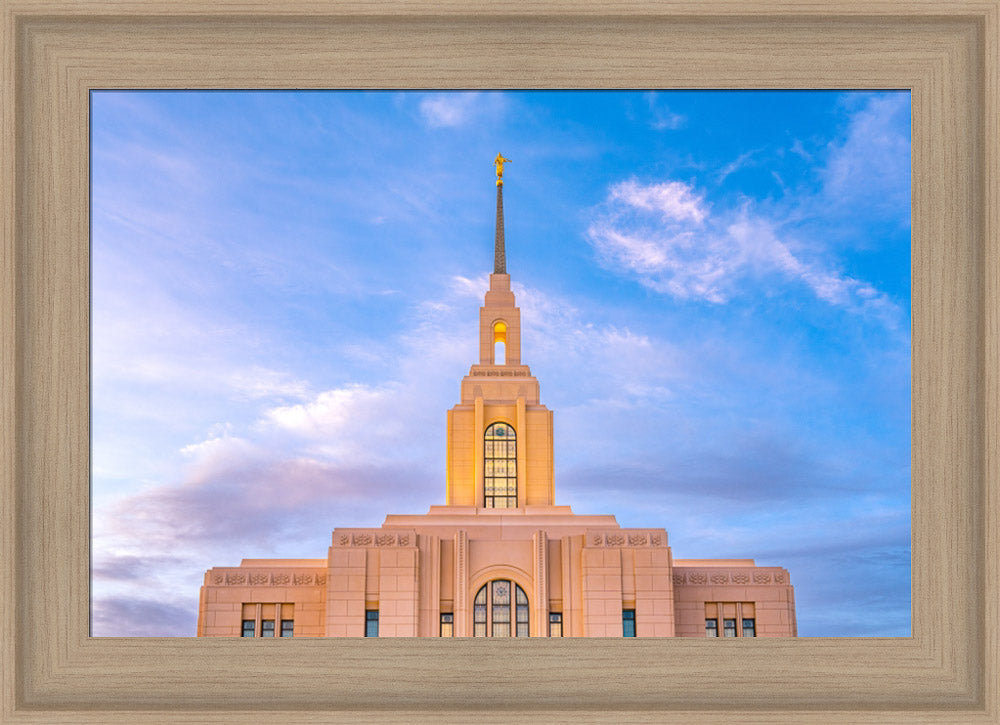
{"x":500,"y":558}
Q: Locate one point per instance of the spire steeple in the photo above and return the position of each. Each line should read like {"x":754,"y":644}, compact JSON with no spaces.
{"x":499,"y":253}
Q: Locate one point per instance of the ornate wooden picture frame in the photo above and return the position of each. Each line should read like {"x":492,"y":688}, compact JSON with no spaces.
{"x":55,"y":52}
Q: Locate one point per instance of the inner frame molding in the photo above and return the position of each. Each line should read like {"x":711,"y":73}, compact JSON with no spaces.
{"x":54,"y":53}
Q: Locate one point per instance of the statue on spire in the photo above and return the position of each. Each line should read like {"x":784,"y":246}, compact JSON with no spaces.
{"x":499,"y":254}
{"x":499,"y":162}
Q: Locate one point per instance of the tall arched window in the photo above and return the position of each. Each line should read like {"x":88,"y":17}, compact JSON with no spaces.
{"x":491,"y":610}
{"x":499,"y":342}
{"x":500,"y":469}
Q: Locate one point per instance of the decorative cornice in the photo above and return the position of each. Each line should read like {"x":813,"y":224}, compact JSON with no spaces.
{"x":374,"y":537}
{"x":627,"y":538}
{"x":267,"y":577}
{"x":742,"y":576}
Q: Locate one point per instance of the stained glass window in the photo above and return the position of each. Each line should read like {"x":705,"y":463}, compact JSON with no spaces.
{"x":479,"y":614}
{"x":522,"y":613}
{"x":491,"y":610}
{"x":500,"y":469}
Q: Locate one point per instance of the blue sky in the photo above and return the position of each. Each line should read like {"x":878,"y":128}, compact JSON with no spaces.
{"x":715,"y":293}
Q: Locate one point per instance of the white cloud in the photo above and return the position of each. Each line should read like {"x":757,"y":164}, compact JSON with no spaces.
{"x":353,"y":423}
{"x":674,"y":200}
{"x":662,"y":234}
{"x":451,"y":110}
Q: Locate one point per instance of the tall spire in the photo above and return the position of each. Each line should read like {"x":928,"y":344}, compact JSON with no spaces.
{"x":499,"y":254}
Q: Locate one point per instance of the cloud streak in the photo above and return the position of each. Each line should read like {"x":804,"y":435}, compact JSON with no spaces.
{"x":663,"y":235}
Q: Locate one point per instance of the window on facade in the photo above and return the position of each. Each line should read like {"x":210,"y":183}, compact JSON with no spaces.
{"x":555,"y":624}
{"x":447,"y":624}
{"x":371,"y":623}
{"x":267,"y":628}
{"x":249,"y":628}
{"x":287,"y":627}
{"x":628,"y":623}
{"x":492,"y":609}
{"x":500,"y":466}
{"x":729,"y":614}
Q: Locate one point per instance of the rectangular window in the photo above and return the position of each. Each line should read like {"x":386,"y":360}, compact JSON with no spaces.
{"x":249,"y":628}
{"x":628,"y":623}
{"x":371,"y":623}
{"x":267,"y":628}
{"x":287,"y":627}
{"x":555,"y":624}
{"x":749,"y":628}
{"x":711,"y":627}
{"x":447,"y":624}
{"x":728,"y":627}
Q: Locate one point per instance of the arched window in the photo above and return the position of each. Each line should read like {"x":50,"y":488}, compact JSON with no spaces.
{"x":491,"y":610}
{"x":500,"y":469}
{"x":500,"y":343}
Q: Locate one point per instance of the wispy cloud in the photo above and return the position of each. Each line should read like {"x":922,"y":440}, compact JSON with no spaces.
{"x":661,"y":117}
{"x":870,"y":166}
{"x":799,"y":150}
{"x":664,"y":235}
{"x":673,"y":200}
{"x":451,"y":110}
{"x":735,"y":165}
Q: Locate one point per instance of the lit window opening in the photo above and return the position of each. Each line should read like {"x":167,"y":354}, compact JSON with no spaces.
{"x":500,"y":343}
{"x":555,"y":624}
{"x":447,"y":624}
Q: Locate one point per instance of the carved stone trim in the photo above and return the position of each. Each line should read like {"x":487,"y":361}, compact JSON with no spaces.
{"x":374,"y":538}
{"x":741,"y":576}
{"x":461,"y":583}
{"x":264,"y":577}
{"x":614,"y":539}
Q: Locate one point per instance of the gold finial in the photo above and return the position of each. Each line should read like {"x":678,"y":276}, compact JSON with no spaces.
{"x":499,"y":161}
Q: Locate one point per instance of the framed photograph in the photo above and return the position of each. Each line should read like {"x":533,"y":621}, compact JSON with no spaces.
{"x":944,"y":54}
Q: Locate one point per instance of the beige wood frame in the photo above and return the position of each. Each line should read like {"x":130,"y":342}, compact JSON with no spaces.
{"x":54,"y":51}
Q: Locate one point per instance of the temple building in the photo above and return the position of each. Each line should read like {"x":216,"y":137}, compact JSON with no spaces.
{"x":500,"y":558}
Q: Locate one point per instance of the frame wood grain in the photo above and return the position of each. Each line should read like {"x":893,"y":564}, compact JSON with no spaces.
{"x":54,"y":52}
